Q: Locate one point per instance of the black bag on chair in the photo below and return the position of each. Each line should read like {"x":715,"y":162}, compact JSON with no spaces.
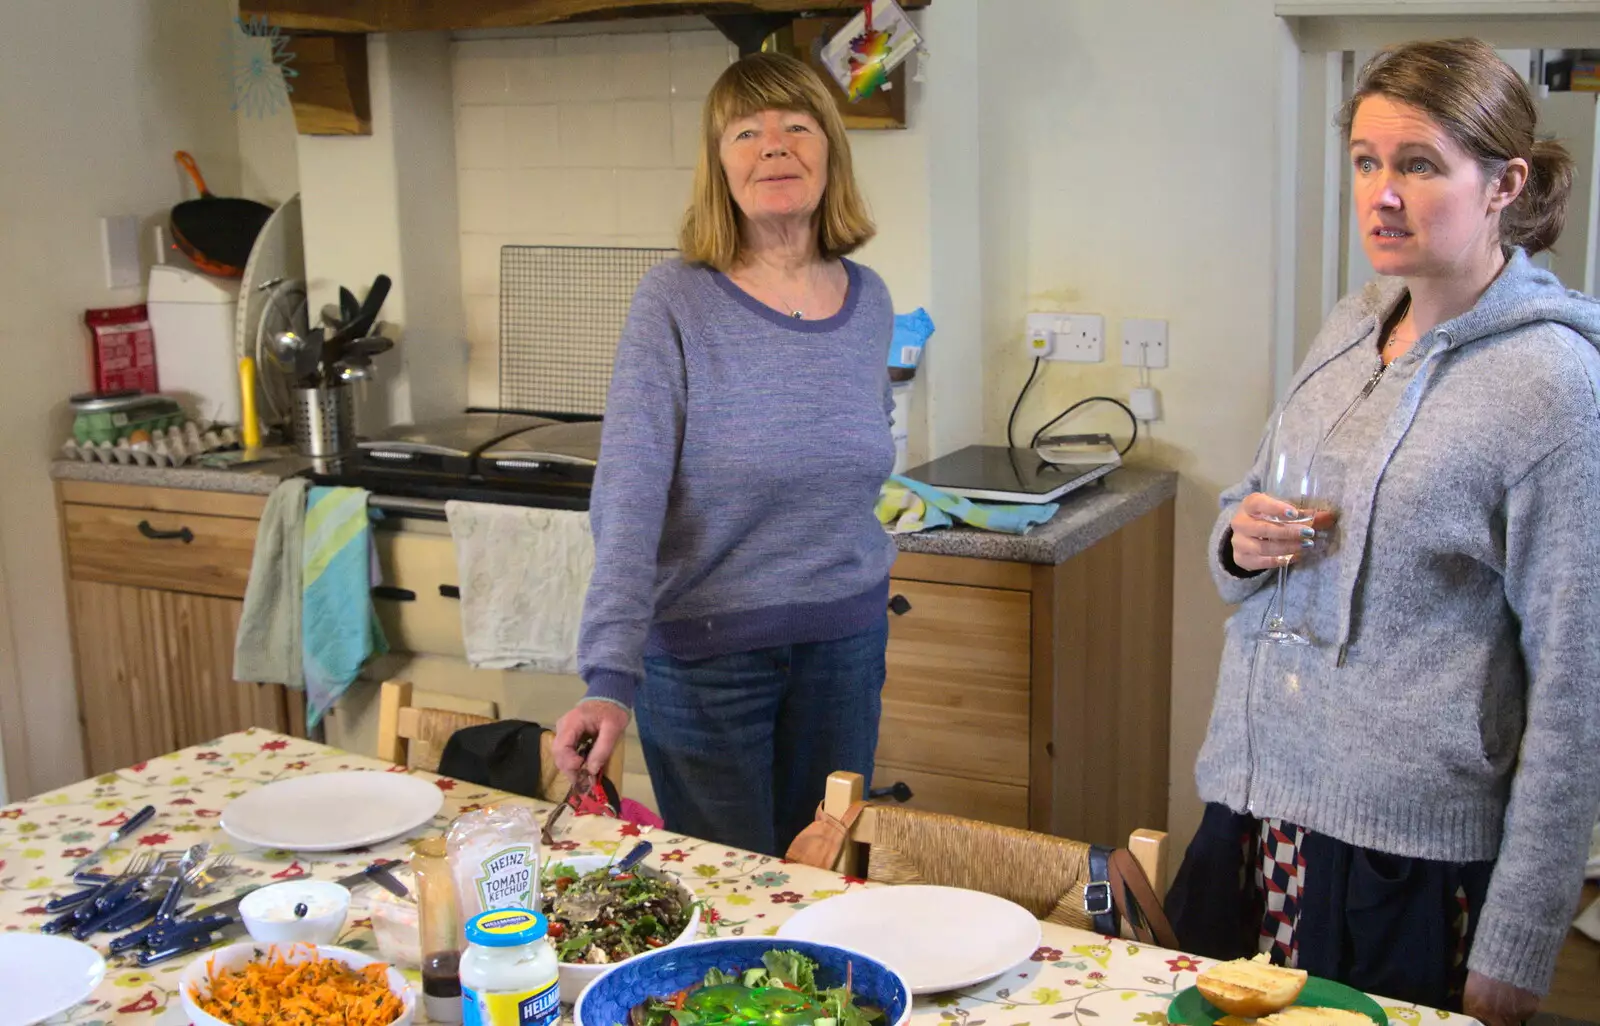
{"x":503,"y":755}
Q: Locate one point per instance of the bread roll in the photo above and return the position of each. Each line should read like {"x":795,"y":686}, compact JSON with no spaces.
{"x":1251,"y":987}
{"x":1301,"y":1015}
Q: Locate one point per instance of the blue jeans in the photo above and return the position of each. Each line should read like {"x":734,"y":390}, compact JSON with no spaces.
{"x":740,"y":746}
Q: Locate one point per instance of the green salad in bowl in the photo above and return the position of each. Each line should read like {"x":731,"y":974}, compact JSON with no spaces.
{"x":597,"y":919}
{"x":747,"y":981}
{"x":782,"y":991}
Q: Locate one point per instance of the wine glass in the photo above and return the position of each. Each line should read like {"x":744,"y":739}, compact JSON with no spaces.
{"x":1291,"y":476}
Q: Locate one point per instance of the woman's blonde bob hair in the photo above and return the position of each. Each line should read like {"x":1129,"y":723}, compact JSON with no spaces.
{"x":769,"y":81}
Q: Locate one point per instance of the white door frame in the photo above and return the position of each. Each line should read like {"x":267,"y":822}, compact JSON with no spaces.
{"x":1315,"y":35}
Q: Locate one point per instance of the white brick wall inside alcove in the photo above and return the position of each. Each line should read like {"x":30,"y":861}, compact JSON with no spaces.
{"x":571,"y":140}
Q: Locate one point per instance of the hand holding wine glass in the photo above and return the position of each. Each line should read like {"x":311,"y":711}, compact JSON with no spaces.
{"x":1265,"y":533}
{"x":1285,"y":524}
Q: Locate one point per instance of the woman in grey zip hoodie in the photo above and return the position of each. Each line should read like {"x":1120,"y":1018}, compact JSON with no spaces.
{"x":1435,"y":751}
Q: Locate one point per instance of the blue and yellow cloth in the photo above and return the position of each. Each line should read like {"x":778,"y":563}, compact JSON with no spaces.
{"x":906,"y":506}
{"x":339,"y":628}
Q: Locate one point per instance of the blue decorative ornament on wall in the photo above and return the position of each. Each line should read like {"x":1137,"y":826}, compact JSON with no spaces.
{"x":258,"y":69}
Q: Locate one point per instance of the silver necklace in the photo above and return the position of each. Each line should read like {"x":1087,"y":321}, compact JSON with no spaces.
{"x":796,"y":313}
{"x":783,"y":302}
{"x":1394,"y":332}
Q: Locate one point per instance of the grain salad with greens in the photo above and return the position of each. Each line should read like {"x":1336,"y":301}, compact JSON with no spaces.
{"x":597,"y":918}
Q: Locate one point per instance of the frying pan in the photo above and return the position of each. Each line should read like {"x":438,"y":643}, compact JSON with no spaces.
{"x":216,"y":233}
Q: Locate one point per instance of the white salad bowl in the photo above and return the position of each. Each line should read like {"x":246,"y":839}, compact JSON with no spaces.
{"x":196,"y":978}
{"x":576,"y":976}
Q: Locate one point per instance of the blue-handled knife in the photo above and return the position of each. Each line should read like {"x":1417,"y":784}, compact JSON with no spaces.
{"x":633,"y":858}
{"x":138,"y":820}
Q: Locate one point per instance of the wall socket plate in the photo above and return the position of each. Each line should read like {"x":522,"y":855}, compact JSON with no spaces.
{"x":1144,"y":343}
{"x":1074,"y":337}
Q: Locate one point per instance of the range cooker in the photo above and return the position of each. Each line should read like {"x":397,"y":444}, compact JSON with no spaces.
{"x":479,"y":456}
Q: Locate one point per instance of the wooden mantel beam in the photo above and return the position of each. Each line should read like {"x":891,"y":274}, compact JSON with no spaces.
{"x":361,"y":16}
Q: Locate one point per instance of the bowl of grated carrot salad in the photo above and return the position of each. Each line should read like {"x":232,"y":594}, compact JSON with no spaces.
{"x":294,"y":985}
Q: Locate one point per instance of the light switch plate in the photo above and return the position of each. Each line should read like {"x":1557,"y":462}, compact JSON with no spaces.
{"x":119,"y":249}
{"x":1144,"y":343}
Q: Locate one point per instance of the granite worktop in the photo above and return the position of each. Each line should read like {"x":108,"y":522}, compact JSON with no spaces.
{"x":1086,"y":516}
{"x":257,"y":478}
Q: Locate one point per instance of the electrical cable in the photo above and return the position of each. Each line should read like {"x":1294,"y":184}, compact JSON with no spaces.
{"x":1012,"y":422}
{"x":1084,"y":402}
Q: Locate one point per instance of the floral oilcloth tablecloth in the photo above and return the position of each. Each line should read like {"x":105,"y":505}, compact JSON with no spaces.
{"x":1075,"y":976}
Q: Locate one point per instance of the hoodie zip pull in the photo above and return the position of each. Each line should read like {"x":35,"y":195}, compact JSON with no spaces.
{"x":1366,"y":390}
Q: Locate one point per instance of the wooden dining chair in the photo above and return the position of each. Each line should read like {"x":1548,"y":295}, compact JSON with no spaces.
{"x":415,"y":736}
{"x":1044,"y":874}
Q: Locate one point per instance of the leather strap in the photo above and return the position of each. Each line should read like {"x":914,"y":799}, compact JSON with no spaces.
{"x":1119,"y":892}
{"x":1099,"y":899}
{"x":821,"y":842}
{"x":1136,"y":901}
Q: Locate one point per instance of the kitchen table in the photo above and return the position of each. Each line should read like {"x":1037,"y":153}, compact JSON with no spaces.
{"x":1074,"y":975}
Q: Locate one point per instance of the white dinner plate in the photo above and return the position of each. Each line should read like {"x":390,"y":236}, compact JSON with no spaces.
{"x":332,"y":811}
{"x":41,"y":976}
{"x":938,"y":938}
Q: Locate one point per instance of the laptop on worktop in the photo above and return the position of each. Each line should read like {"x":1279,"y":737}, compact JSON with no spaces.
{"x":997,"y":473}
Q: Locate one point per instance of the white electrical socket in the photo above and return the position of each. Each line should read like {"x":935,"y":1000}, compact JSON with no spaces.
{"x":1144,"y":343}
{"x":1078,"y":338}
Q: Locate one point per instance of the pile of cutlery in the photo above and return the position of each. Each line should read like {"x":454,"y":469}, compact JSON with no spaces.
{"x":145,"y":899}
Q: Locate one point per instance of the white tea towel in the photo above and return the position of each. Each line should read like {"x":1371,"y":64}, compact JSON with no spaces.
{"x":524,"y":573}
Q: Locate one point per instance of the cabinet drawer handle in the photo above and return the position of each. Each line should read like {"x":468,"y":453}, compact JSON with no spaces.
{"x":450,"y":591}
{"x":393,"y":594}
{"x":182,"y":534}
{"x":900,"y":791}
{"x":899,"y":605}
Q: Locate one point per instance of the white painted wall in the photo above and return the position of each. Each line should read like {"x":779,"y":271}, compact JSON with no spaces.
{"x":385,"y":203}
{"x":945,"y":414}
{"x":99,"y":93}
{"x":1130,"y":172}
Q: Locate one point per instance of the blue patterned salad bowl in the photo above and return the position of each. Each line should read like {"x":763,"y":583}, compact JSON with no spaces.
{"x":666,"y":971}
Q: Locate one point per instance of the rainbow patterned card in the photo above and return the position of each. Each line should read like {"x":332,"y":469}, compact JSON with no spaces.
{"x":873,"y":43}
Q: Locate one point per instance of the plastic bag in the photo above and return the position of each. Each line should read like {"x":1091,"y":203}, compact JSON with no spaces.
{"x":494,"y":858}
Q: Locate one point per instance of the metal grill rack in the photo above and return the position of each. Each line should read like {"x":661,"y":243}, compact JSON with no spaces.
{"x":562,"y":309}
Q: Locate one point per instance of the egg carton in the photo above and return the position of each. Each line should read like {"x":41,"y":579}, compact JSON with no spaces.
{"x":174,"y":447}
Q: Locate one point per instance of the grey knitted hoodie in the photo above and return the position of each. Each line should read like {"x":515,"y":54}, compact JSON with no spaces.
{"x":1449,"y":707}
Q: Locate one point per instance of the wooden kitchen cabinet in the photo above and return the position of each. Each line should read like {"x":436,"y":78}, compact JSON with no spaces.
{"x":1035,"y":695}
{"x":156,"y":580}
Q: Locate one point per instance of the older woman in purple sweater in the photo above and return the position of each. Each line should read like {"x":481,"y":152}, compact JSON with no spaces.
{"x":738,"y":604}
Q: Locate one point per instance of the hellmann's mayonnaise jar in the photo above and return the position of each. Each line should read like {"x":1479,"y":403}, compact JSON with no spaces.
{"x":509,"y":975}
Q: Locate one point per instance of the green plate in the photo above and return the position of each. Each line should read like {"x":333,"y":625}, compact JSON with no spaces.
{"x":1190,"y":1009}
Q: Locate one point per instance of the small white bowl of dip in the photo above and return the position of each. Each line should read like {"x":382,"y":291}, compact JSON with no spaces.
{"x":269,"y":913}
